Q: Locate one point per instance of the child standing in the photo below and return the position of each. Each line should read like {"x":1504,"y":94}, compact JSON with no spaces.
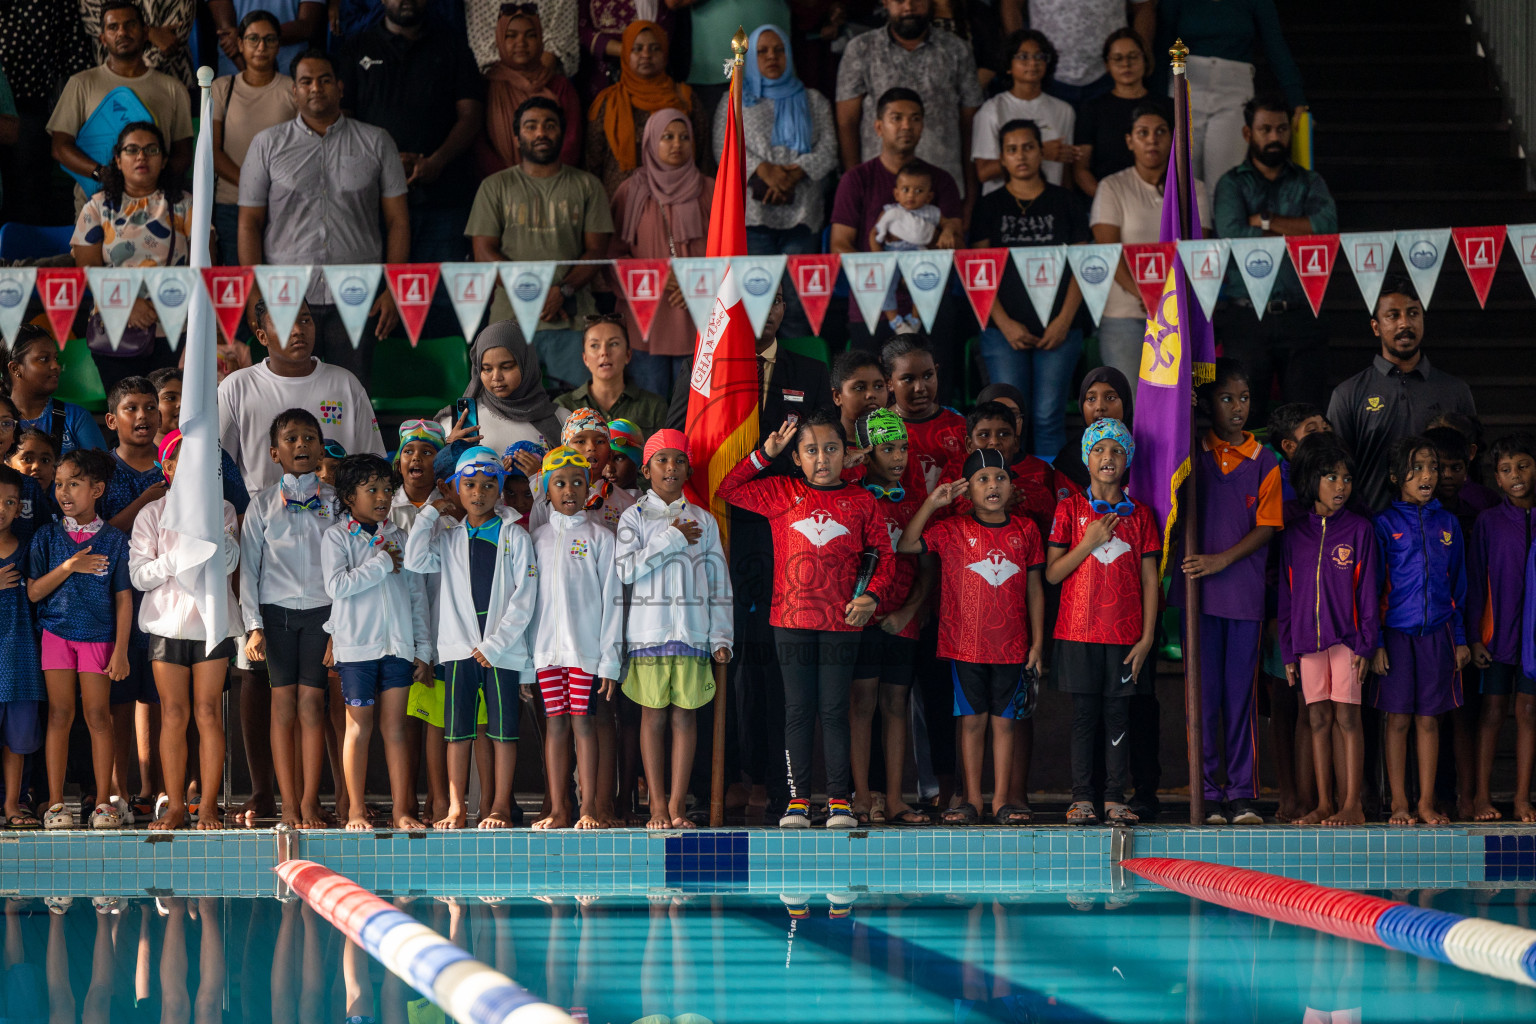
{"x":822,"y":527}
{"x":1423,"y":643}
{"x":992,"y":624}
{"x":21,"y":682}
{"x":1103,"y":551}
{"x":1288,"y":426}
{"x":78,"y":578}
{"x":1328,"y":620}
{"x":858,"y":386}
{"x":378,"y":626}
{"x":935,"y":434}
{"x":189,"y":666}
{"x":908,"y":224}
{"x":626,"y":443}
{"x":679,"y":619}
{"x":1240,"y":510}
{"x":996,"y":425}
{"x":586,"y":433}
{"x":577,"y":634}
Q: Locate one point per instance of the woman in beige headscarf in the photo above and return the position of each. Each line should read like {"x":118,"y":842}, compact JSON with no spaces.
{"x":524,"y":70}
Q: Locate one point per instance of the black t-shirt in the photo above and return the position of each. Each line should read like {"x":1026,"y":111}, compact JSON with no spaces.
{"x":1056,"y":217}
{"x":1103,"y":123}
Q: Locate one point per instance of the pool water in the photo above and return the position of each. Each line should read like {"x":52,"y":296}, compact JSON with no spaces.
{"x":1153,"y":956}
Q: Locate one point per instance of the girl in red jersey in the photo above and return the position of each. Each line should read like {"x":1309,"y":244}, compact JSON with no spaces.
{"x":935,"y":434}
{"x":821,"y":526}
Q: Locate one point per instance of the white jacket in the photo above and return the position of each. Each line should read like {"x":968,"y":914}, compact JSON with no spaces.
{"x":681,"y":592}
{"x":614,"y":506}
{"x":441,"y":545}
{"x":403,"y":514}
{"x":375,"y":611}
{"x":579,"y":621}
{"x":280,"y":550}
{"x":155,"y":556}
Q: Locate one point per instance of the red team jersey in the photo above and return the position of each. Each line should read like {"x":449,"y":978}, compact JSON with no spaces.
{"x":933,"y":444}
{"x":984,"y":609}
{"x":1101,"y":600}
{"x":1033,"y":483}
{"x":818,"y":538}
{"x":896,"y":515}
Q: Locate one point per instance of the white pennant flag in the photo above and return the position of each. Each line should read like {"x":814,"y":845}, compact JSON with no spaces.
{"x":353,"y":286}
{"x":1258,"y":261}
{"x":870,"y":275}
{"x":699,"y":278}
{"x":1368,"y":253}
{"x":759,"y":278}
{"x":527,"y":284}
{"x":1040,"y":268}
{"x":926,"y":272}
{"x":1424,"y":255}
{"x":283,"y":289}
{"x":469,"y":287}
{"x":1522,"y":238}
{"x":1205,"y":265}
{"x":115,"y":290}
{"x":1094,"y":267}
{"x":172,"y":290}
{"x":16,"y":284}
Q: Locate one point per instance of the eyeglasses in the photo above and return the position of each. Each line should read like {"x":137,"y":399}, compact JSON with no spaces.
{"x":513,"y":10}
{"x":1036,"y":57}
{"x":256,"y":40}
{"x":1134,"y":57}
{"x":134,"y":149}
{"x":593,"y":319}
{"x":7,"y":424}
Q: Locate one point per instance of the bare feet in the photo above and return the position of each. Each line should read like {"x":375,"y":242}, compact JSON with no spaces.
{"x":682,"y":822}
{"x":209,"y":816}
{"x":1524,"y":811}
{"x":260,"y":805}
{"x":289,"y":818}
{"x":455,"y":818}
{"x":1401,"y":815}
{"x":556,"y":820}
{"x":359,"y":823}
{"x":1350,"y":814}
{"x":175,"y":817}
{"x":1317,"y":817}
{"x":496,"y":819}
{"x":409,"y":823}
{"x":658,"y":820}
{"x":1483,"y":810}
{"x":1430,"y":815}
{"x":1288,"y":813}
{"x":311,"y":816}
{"x":587,"y":821}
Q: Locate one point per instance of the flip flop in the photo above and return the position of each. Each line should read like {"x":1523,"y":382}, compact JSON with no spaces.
{"x":910,"y":818}
{"x":1012,"y":816}
{"x":963,"y":815}
{"x":23,"y":821}
{"x":1081,"y":813}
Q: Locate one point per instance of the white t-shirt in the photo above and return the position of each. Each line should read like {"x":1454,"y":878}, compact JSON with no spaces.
{"x":1126,"y":200}
{"x":1055,"y":118}
{"x":250,"y":397}
{"x":499,"y":433}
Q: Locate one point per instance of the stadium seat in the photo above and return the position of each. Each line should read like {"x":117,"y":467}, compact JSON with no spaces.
{"x":78,"y":380}
{"x":418,"y":381}
{"x":30,"y":242}
{"x":812,"y":347}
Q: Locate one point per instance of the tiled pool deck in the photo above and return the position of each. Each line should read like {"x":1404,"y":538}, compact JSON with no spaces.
{"x":520,"y":862}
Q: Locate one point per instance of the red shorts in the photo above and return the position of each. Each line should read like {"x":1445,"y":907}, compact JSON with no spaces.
{"x":59,"y":654}
{"x":566,"y":691}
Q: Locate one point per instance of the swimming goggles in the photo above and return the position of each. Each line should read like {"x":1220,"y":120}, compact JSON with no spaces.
{"x":895,"y":492}
{"x":1104,"y":508}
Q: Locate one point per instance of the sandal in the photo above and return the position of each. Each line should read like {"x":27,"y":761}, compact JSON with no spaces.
{"x":877,"y":809}
{"x":909,"y":817}
{"x":1012,"y":816}
{"x":1120,"y":814}
{"x":26,"y":820}
{"x":1082,"y":813}
{"x":965,"y":814}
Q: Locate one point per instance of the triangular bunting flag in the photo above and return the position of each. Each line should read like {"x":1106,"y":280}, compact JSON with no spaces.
{"x":814,"y":275}
{"x":1479,"y":249}
{"x":926,"y":272}
{"x":353,"y":286}
{"x":115,"y":290}
{"x":1149,"y":263}
{"x":15,"y":292}
{"x":698,"y":278}
{"x":61,"y":289}
{"x":229,"y":288}
{"x":1312,"y":256}
{"x":526,"y":285}
{"x":283,"y":289}
{"x":758,"y":277}
{"x":469,"y":287}
{"x":1094,"y":267}
{"x":1424,"y":255}
{"x":1367,"y":254}
{"x":1205,"y":266}
{"x":642,"y":283}
{"x":870,"y":275}
{"x":1040,"y":268}
{"x":1522,"y":239}
{"x":171,"y":290}
{"x":412,"y":285}
{"x":980,"y":272}
{"x":1258,"y":262}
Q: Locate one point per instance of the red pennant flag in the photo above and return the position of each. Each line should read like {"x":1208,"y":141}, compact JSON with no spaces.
{"x":814,"y":275}
{"x":228,"y":287}
{"x":981,"y":271}
{"x":61,"y":289}
{"x":1149,"y":263}
{"x":412,"y":285}
{"x":1312,"y":256}
{"x":1480,"y":248}
{"x":642,"y":282}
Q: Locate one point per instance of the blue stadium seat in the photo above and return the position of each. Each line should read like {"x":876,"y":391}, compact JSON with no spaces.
{"x":30,"y":242}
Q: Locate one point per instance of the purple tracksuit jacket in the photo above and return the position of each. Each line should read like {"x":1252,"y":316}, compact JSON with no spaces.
{"x":1328,"y":588}
{"x":1496,"y":586}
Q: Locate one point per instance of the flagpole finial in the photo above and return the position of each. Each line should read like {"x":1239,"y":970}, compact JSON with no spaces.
{"x":1177,"y":52}
{"x":739,"y":44}
{"x":205,"y":77}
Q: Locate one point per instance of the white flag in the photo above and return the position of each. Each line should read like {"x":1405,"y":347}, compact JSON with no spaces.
{"x":1424,"y":255}
{"x":115,"y":290}
{"x":172,"y":290}
{"x":1258,"y":261}
{"x":283,"y":289}
{"x":1094,"y":267}
{"x":353,"y":286}
{"x":759,"y":278}
{"x":1040,"y":268}
{"x":699,"y":278}
{"x":1205,"y":265}
{"x":527,"y":284}
{"x":1522,"y":238}
{"x":926,"y":272}
{"x":1368,"y":253}
{"x":870,"y":276}
{"x":16,"y":284}
{"x":469,"y":287}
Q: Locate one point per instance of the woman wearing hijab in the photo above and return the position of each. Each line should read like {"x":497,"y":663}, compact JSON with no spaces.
{"x":663,"y":211}
{"x":522,"y":72}
{"x":617,"y":118}
{"x":1104,"y":394}
{"x":601,"y":25}
{"x":508,"y":391}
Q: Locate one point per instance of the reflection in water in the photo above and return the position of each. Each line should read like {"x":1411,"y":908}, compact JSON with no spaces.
{"x":705,"y":959}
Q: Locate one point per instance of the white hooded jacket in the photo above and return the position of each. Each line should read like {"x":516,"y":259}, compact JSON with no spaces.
{"x":681,"y":592}
{"x":154,"y":559}
{"x":579,"y":621}
{"x":375,"y":611}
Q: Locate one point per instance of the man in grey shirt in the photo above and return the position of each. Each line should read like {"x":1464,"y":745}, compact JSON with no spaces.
{"x":312,"y":191}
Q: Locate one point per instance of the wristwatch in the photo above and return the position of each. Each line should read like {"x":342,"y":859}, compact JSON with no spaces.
{"x":567,"y":291}
{"x":1264,"y":222}
{"x":96,"y":171}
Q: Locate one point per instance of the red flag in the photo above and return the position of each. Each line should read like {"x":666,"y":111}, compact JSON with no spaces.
{"x":1312,"y":256}
{"x":61,"y":289}
{"x":1150,"y":263}
{"x":1480,"y":248}
{"x":981,"y":271}
{"x":814,"y":275}
{"x":228,"y":287}
{"x":642,"y":282}
{"x":412,"y":285}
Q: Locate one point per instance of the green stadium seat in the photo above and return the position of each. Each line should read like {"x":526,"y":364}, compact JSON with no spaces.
{"x":812,"y":347}
{"x":421,"y":380}
{"x":78,"y":380}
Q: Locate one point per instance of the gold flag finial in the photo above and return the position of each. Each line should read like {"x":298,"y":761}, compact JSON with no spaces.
{"x":739,"y":44}
{"x":1178,"y":51}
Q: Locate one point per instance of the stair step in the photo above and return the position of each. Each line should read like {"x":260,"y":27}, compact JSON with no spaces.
{"x":1459,"y":142}
{"x":1343,"y":40}
{"x":1474,"y":106}
{"x":1382,"y":210}
{"x":1308,"y":13}
{"x":1355,"y":173}
{"x":1447,"y":71}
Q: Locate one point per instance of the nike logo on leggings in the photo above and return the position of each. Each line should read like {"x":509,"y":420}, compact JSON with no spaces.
{"x":1116,"y":741}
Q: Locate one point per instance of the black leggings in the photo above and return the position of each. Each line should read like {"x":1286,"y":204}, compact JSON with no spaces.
{"x":817,"y":667}
{"x":1087,"y":710}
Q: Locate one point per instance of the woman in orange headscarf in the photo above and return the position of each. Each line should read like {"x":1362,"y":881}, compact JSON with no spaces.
{"x":523,"y":71}
{"x":617,"y":116}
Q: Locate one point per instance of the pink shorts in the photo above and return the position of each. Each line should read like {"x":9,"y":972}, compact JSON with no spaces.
{"x":1330,"y":675}
{"x":74,"y":656}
